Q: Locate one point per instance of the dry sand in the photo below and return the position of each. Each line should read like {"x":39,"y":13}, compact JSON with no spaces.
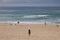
{"x":20,"y":32}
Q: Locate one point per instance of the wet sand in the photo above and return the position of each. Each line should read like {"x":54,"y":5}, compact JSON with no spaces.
{"x":38,"y":32}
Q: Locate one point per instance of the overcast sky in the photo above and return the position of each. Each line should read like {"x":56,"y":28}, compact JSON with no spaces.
{"x":29,"y":2}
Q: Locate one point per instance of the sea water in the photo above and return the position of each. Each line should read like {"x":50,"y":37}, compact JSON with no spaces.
{"x":30,"y":14}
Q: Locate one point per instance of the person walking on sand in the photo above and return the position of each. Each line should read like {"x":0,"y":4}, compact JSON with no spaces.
{"x":57,"y":25}
{"x":29,"y":32}
{"x":45,"y":24}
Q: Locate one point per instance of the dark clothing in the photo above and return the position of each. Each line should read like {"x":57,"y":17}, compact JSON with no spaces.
{"x":18,"y":22}
{"x":29,"y":32}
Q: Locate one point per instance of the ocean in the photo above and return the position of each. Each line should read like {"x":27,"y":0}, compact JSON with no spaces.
{"x":30,"y":15}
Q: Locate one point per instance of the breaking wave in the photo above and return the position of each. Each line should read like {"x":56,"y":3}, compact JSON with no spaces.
{"x":34,"y":16}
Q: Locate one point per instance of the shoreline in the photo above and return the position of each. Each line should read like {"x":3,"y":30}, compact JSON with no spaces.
{"x":23,"y":22}
{"x":45,"y":24}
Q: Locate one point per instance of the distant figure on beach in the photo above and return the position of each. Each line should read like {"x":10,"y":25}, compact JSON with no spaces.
{"x":10,"y":24}
{"x":57,"y":26}
{"x":45,"y":23}
{"x":29,"y":32}
{"x":18,"y":22}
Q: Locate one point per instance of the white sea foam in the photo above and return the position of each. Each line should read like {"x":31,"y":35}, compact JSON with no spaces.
{"x":34,"y":16}
{"x":27,"y":22}
{"x":8,"y":22}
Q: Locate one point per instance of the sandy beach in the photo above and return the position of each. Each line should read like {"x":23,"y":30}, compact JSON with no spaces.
{"x":38,"y":32}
